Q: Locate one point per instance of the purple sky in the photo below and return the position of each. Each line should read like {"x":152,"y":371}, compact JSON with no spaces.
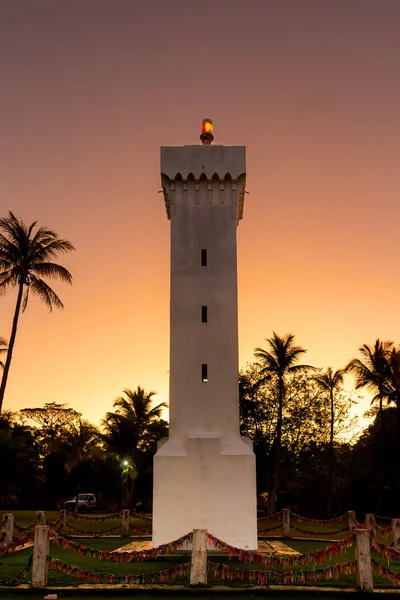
{"x":89,"y":91}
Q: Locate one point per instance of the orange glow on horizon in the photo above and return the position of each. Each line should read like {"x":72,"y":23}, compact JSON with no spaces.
{"x":312,"y":94}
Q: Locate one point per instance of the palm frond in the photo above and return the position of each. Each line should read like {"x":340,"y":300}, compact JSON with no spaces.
{"x":53,"y":271}
{"x":49,"y":249}
{"x":45,"y":293}
{"x":3,"y":348}
{"x":8,"y":279}
{"x":301,"y":368}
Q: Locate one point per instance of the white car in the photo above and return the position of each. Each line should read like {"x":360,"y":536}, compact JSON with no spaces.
{"x":85,"y":502}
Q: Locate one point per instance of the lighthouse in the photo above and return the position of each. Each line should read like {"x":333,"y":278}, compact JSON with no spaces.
{"x":204,"y":472}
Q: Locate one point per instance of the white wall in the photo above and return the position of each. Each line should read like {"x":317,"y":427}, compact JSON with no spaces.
{"x":204,"y":193}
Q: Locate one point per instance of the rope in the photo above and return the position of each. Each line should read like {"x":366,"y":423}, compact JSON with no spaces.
{"x":80,"y":517}
{"x":268,"y":559}
{"x":274,"y":517}
{"x":123,"y":557}
{"x":143,"y":578}
{"x":86,"y":533}
{"x":301,"y":519}
{"x":220,"y":571}
{"x":319,"y":533}
{"x":18,"y":578}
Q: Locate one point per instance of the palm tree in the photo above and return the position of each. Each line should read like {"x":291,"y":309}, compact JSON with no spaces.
{"x":371,"y":371}
{"x":25,"y":256}
{"x":276,"y":363}
{"x":78,"y":442}
{"x":393,"y":395}
{"x":3,"y":348}
{"x":127,"y":429}
{"x":331,"y":382}
{"x":20,"y":473}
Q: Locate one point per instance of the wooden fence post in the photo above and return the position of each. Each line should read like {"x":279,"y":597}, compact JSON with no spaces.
{"x":8,"y":529}
{"x":40,"y":554}
{"x":370,"y":524}
{"x":198,"y":570}
{"x":63,"y":515}
{"x":286,"y":523}
{"x":396,"y":533}
{"x":363,"y":558}
{"x":41,"y":516}
{"x":125,"y":522}
{"x":351,"y":520}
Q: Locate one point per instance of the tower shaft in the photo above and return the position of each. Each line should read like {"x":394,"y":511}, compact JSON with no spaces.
{"x":205,"y":463}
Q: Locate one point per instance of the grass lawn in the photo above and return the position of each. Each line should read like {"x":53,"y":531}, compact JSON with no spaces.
{"x":11,"y":565}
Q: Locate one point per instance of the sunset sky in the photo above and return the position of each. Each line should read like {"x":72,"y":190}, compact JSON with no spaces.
{"x":89,"y":91}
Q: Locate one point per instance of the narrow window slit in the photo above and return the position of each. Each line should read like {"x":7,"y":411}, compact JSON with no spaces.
{"x":204,"y":374}
{"x":204,"y":314}
{"x":203,"y":257}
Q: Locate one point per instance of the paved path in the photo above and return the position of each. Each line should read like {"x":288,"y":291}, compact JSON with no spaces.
{"x":136,"y":546}
{"x":264,"y":547}
{"x":279,"y":547}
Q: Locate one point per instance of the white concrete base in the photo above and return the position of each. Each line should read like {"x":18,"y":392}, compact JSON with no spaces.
{"x":203,"y":489}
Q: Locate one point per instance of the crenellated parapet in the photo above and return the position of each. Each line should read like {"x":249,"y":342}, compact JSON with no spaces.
{"x":204,"y":175}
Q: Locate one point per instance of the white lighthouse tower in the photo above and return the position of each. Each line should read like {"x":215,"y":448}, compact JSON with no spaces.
{"x":204,"y":474}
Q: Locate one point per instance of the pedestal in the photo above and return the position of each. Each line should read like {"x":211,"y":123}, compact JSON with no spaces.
{"x":202,"y":488}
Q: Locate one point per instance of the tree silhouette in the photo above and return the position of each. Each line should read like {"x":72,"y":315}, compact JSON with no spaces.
{"x":3,"y":349}
{"x":79,"y":441}
{"x":276,"y":363}
{"x":393,"y":395}
{"x":331,"y":382}
{"x":51,"y":422}
{"x":127,"y":429}
{"x":25,"y":258}
{"x":371,"y":371}
{"x":20,"y":473}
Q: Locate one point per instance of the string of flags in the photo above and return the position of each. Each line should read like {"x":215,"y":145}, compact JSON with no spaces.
{"x":301,"y":519}
{"x":225,"y":572}
{"x":385,"y":572}
{"x":29,"y":527}
{"x":123,"y":557}
{"x":275,"y":517}
{"x":384,"y":531}
{"x":21,"y":576}
{"x":318,"y":534}
{"x":386,"y":551}
{"x":274,"y":528}
{"x":142,"y":518}
{"x":76,"y":530}
{"x":217,"y":570}
{"x":55,"y":523}
{"x":80,"y":517}
{"x":16,"y":544}
{"x":289,"y":560}
{"x":138,"y":530}
{"x":179,"y":571}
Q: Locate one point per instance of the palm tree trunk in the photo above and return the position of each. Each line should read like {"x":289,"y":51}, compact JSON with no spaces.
{"x":11,"y":344}
{"x":383,"y":423}
{"x":398,"y":454}
{"x":331,"y":456}
{"x":278,"y":438}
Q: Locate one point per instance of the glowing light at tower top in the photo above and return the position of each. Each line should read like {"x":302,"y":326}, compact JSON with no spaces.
{"x":206,"y":132}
